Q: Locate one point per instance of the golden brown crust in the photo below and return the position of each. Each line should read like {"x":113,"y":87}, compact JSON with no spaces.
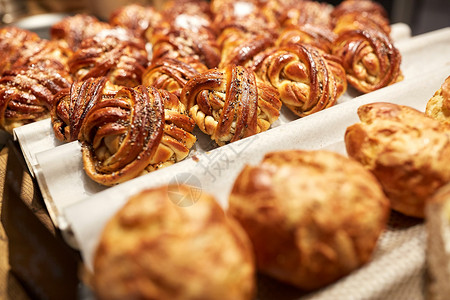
{"x":357,"y":14}
{"x":154,"y":249}
{"x":230,"y":104}
{"x":406,"y":150}
{"x":369,"y":58}
{"x":184,"y":43}
{"x":438,"y":107}
{"x":136,"y":18}
{"x":26,"y":94}
{"x":113,"y":54}
{"x":75,"y":29}
{"x":171,"y":74}
{"x":71,"y":106}
{"x":306,"y":80}
{"x":136,"y":131}
{"x":308,"y":12}
{"x":120,"y":135}
{"x":314,"y":35}
{"x":312,"y":216}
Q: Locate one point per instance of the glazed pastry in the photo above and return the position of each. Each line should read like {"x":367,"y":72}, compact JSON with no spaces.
{"x":72,"y":105}
{"x":438,"y":107}
{"x":437,"y":224}
{"x":154,"y":249}
{"x":407,"y":151}
{"x":133,"y":133}
{"x":308,"y":12}
{"x":306,"y":80}
{"x":75,"y":29}
{"x":136,"y":18}
{"x":317,"y":36}
{"x":369,"y":58}
{"x":171,"y":74}
{"x":242,"y":48}
{"x":230,"y":104}
{"x":312,"y":216}
{"x":13,"y":41}
{"x":26,"y":94}
{"x":360,"y":14}
{"x":113,"y":54}
{"x":183,"y":43}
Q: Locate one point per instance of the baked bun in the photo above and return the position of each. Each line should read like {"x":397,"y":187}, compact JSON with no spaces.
{"x":154,"y":249}
{"x":407,"y":151}
{"x":438,"y":107}
{"x":312,"y":216}
{"x":438,"y":243}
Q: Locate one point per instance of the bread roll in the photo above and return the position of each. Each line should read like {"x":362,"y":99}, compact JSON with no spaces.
{"x":438,"y":107}
{"x":407,"y":151}
{"x":154,"y":249}
{"x":312,"y":216}
{"x":438,"y":243}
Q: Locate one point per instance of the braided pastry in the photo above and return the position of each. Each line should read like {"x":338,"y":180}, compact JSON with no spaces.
{"x":230,"y":104}
{"x":179,"y":43}
{"x":171,"y":74}
{"x":132,"y":133}
{"x":306,"y":80}
{"x":369,"y":58}
{"x":314,"y":35}
{"x":71,"y":106}
{"x":359,"y":14}
{"x":26,"y":94}
{"x":113,"y":54}
{"x":75,"y":29}
{"x":136,"y":18}
{"x":12,"y":42}
{"x":308,"y":12}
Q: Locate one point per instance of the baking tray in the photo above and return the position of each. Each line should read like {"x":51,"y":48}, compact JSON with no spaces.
{"x":80,"y":207}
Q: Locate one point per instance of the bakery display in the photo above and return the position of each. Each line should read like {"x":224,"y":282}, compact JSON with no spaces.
{"x":312,"y":216}
{"x":438,"y":106}
{"x":154,"y":249}
{"x":230,"y":104}
{"x":405,"y":149}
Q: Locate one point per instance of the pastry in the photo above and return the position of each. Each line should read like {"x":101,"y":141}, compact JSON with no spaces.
{"x":115,"y":54}
{"x":312,"y":216}
{"x":437,"y":224}
{"x":360,"y":14}
{"x":438,"y":107}
{"x":317,"y":36}
{"x":72,"y":105}
{"x":306,"y":80}
{"x":369,"y":58}
{"x":308,"y":12}
{"x":407,"y":151}
{"x":137,"y":131}
{"x":136,"y":18}
{"x":154,"y":249}
{"x":75,"y":29}
{"x":172,"y":74}
{"x":230,"y":104}
{"x":26,"y":93}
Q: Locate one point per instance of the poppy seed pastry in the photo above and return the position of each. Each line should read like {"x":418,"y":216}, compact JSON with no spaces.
{"x":312,"y":216}
{"x":154,"y":249}
{"x":407,"y":151}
